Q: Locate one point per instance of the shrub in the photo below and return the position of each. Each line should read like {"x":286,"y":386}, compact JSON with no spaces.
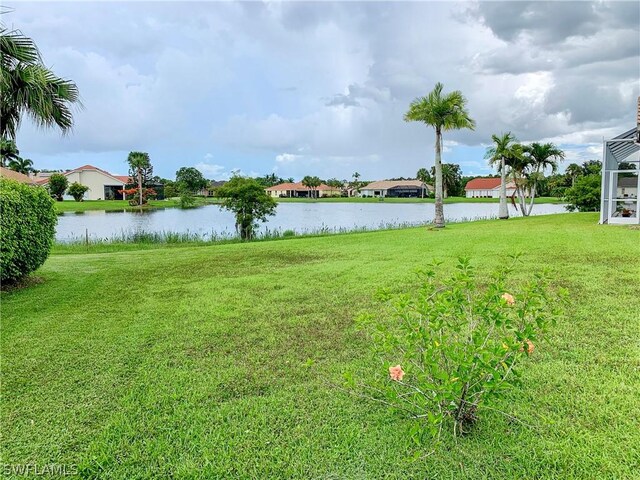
{"x":28,"y":220}
{"x":187,"y":200}
{"x":58,"y":184}
{"x":77,"y":191}
{"x":289,"y":233}
{"x":454,"y":346}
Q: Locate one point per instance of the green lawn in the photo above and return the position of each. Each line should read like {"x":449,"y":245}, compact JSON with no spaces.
{"x":218,"y":361}
{"x":71,"y":206}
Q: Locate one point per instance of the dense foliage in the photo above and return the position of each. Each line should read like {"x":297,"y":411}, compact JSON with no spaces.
{"x":58,"y":184}
{"x":28,"y":221}
{"x":455,"y":344}
{"x":190,"y":180}
{"x":584,"y":196}
{"x":248,"y":201}
{"x":77,"y":191}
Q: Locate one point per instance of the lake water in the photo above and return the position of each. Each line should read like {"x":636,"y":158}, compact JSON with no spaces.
{"x":300,"y":217}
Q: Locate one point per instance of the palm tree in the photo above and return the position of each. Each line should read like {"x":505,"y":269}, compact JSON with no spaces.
{"x":442,"y":112}
{"x":27,"y":86}
{"x":139,"y":163}
{"x":574,"y":171}
{"x":540,"y":157}
{"x":8,"y":151}
{"x":502,"y":151}
{"x":21,"y":165}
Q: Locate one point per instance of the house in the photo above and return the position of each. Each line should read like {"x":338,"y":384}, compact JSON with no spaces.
{"x":297,"y":189}
{"x":17,"y":176}
{"x":395,"y":188}
{"x":487,"y":188}
{"x":102,"y":184}
{"x":619,"y":200}
{"x":210,"y":190}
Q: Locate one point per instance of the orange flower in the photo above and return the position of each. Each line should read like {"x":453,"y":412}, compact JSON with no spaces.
{"x":508,"y":298}
{"x":528,"y":346}
{"x":396,"y":373}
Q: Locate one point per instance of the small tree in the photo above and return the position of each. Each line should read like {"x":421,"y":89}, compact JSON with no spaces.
{"x":77,"y":191}
{"x":190,"y":179}
{"x":248,"y":201}
{"x":452,"y":345}
{"x":58,"y":184}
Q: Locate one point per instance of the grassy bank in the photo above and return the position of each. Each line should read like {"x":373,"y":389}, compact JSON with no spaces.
{"x":113,"y":205}
{"x":218,"y":361}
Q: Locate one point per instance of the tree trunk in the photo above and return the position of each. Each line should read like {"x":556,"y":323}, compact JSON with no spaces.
{"x":140,"y":186}
{"x":503,"y":211}
{"x":438,"y":220}
{"x":533,"y":196}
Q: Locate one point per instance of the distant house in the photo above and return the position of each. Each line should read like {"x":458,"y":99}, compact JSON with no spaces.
{"x":293,"y":190}
{"x":17,"y":176}
{"x":487,"y":188}
{"x":395,"y":188}
{"x":102,"y":184}
{"x":210,"y":190}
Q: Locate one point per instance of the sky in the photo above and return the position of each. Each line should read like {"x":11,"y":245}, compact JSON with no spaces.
{"x":320,"y":88}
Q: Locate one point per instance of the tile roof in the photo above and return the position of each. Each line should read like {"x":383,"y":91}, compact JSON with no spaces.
{"x":482,"y":184}
{"x":297,"y":186}
{"x":17,"y":176}
{"x":387,"y":184}
{"x":121,"y":178}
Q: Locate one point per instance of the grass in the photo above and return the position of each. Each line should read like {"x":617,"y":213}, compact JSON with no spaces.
{"x":218,"y":361}
{"x":113,"y":205}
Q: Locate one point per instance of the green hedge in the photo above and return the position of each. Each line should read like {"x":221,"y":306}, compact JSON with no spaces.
{"x":27,"y":228}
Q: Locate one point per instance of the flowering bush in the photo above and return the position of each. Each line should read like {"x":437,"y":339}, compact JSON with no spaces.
{"x":454,"y":345}
{"x":132,"y":194}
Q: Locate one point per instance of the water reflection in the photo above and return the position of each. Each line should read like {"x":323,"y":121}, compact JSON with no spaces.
{"x":301,"y":217}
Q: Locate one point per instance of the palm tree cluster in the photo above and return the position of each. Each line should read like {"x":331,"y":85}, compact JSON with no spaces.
{"x":27,"y":86}
{"x":524,"y":165}
{"x":312,"y":183}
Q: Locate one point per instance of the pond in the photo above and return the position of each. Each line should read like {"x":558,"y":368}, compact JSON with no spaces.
{"x":211,"y":220}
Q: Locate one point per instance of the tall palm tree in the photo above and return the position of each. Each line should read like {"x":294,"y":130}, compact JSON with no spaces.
{"x":27,"y":86}
{"x":540,"y":157}
{"x":498,"y":154}
{"x":140,"y":164}
{"x":8,"y":151}
{"x":442,"y":112}
{"x":574,"y":171}
{"x":312,"y":183}
{"x":21,"y":165}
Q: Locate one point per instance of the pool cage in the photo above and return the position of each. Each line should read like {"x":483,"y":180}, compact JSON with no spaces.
{"x":620,"y":203}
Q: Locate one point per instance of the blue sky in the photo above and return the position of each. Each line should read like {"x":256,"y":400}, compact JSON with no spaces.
{"x":303,"y":88}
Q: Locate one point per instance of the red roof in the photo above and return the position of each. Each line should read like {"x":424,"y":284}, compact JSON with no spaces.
{"x":298,"y":186}
{"x":482,"y":184}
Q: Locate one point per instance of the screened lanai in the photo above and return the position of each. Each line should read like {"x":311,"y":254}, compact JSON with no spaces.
{"x":620,"y":203}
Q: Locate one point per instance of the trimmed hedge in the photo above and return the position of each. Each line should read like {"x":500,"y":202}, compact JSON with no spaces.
{"x":27,"y":228}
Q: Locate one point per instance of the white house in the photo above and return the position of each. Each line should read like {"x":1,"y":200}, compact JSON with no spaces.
{"x":487,"y":188}
{"x":395,"y":188}
{"x":102,"y":184}
{"x":297,"y":189}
